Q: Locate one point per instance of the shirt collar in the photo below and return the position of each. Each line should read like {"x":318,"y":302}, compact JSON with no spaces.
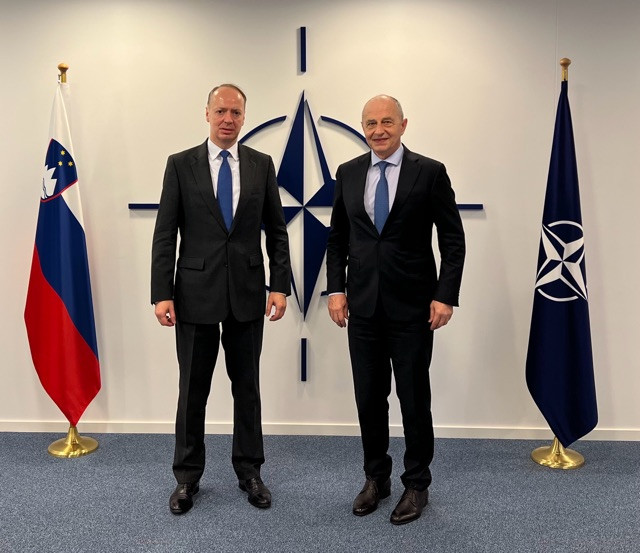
{"x":214,"y":151}
{"x":394,"y":159}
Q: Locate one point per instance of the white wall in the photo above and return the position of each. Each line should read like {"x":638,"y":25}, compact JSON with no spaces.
{"x":479,"y":81}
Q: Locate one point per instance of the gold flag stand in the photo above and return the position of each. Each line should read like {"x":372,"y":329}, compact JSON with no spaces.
{"x":557,"y":457}
{"x":73,"y":445}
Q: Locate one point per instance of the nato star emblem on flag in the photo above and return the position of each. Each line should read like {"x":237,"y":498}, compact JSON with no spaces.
{"x":561,"y":276}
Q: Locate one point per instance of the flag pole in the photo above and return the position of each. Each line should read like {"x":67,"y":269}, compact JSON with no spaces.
{"x":556,"y":456}
{"x":73,"y":445}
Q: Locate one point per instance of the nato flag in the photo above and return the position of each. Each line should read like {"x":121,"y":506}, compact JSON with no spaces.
{"x":559,"y":364}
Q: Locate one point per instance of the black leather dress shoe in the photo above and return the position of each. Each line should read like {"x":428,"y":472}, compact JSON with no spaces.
{"x":367,"y":500}
{"x":410,"y":506}
{"x":259,"y":494}
{"x":181,"y":499}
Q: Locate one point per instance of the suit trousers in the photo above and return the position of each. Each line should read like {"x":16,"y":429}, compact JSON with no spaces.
{"x":378,"y":347}
{"x":197,"y":346}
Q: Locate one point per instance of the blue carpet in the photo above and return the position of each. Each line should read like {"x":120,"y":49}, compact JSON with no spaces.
{"x":487,"y":496}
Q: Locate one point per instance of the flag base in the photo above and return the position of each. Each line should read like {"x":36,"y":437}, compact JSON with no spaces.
{"x":73,"y":445}
{"x":557,"y":457}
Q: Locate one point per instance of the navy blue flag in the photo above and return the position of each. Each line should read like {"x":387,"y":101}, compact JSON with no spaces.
{"x":559,"y":359}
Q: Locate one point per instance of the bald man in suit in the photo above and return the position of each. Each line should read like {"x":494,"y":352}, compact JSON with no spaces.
{"x":217,"y":196}
{"x":382,"y":277}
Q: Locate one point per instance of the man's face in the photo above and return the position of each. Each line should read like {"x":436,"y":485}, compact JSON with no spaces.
{"x":225,"y":115}
{"x":383,"y":126}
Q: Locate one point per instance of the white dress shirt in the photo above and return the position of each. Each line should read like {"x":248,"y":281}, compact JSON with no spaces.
{"x":373,"y":176}
{"x":215,"y":160}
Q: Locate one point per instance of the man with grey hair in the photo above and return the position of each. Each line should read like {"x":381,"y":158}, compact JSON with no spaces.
{"x":385,"y":206}
{"x":217,"y":196}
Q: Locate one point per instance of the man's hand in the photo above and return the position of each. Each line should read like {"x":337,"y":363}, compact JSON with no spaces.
{"x":339,"y":309}
{"x":440,"y":313}
{"x":279,"y":301}
{"x":165,"y":313}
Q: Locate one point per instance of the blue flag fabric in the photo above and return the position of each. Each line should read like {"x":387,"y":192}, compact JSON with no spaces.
{"x":559,"y":367}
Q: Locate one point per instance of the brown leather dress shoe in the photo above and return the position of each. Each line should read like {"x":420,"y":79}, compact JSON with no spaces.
{"x":259,"y":494}
{"x":410,"y":506}
{"x":367,"y":500}
{"x":181,"y":499}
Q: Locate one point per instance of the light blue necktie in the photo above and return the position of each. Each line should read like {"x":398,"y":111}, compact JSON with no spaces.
{"x":225,"y":189}
{"x":381,"y":201}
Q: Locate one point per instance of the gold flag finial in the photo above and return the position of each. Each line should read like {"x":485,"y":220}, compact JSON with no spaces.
{"x":565,"y":63}
{"x":63,"y":68}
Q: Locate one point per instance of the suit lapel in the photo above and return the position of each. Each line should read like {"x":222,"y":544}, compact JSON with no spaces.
{"x":247,"y":181}
{"x":202,"y":176}
{"x":409,"y":172}
{"x":359,"y":184}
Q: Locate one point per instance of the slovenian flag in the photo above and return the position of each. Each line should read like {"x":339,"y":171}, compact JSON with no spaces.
{"x":59,"y":309}
{"x":559,"y":368}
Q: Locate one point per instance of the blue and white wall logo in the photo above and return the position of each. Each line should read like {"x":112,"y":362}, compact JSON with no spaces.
{"x":561,"y":276}
{"x":313,"y":210}
{"x":291,"y":178}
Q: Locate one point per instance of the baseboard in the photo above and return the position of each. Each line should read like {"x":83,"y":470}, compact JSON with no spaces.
{"x":313,"y":429}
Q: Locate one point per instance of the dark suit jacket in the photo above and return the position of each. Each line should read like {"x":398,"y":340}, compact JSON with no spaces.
{"x":397,"y":266}
{"x":218,"y":271}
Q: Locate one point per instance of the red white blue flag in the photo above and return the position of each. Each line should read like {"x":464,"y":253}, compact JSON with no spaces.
{"x":559,"y":361}
{"x":59,"y":309}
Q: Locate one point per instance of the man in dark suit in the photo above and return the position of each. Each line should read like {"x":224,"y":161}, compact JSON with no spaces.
{"x":217,"y":196}
{"x":386,"y":203}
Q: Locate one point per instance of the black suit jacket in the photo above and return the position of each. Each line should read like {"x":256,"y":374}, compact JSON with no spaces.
{"x":218,"y":270}
{"x":398,"y":265}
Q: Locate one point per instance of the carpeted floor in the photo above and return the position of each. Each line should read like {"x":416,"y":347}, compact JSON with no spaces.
{"x":487,"y":496}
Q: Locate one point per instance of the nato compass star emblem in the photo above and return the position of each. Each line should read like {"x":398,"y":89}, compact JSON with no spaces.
{"x":561,"y":275}
{"x":291,"y":178}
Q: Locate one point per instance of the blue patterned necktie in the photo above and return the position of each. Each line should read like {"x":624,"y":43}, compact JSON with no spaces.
{"x":381,"y":202}
{"x":225,"y":189}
